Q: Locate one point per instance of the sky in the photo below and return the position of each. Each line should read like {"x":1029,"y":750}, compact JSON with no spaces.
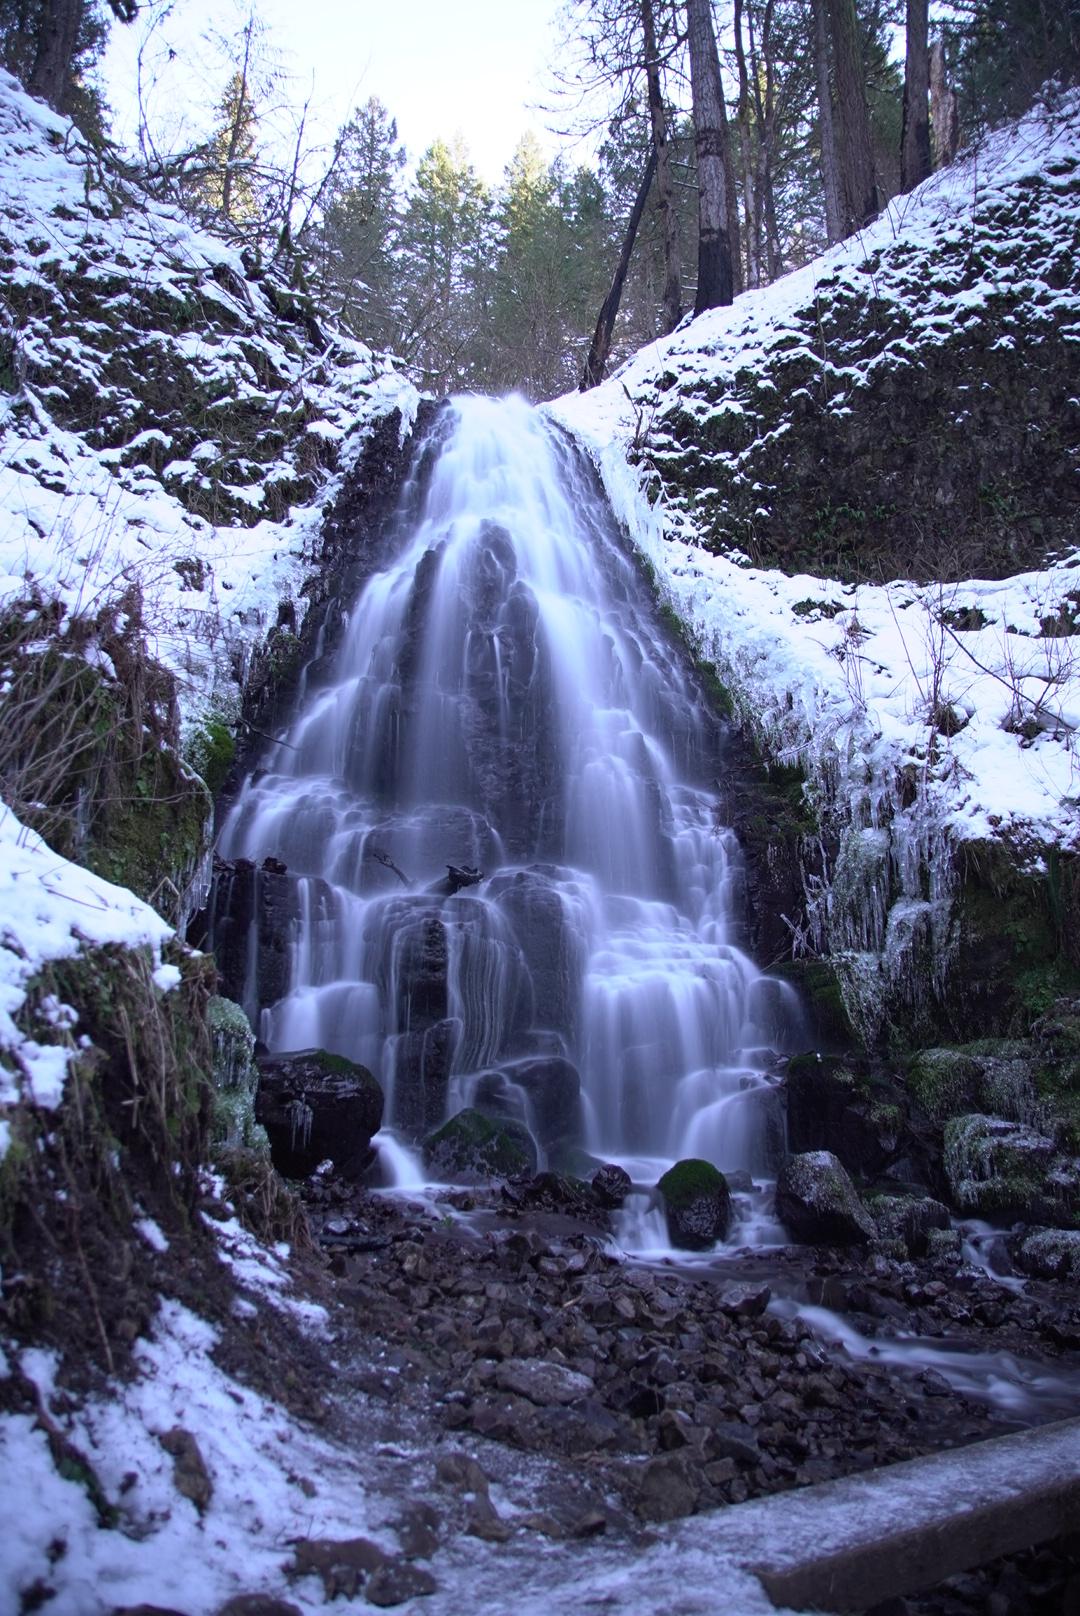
{"x":475,"y":67}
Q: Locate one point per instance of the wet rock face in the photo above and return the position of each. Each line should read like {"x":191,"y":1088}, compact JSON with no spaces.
{"x":554,"y":952}
{"x":317,"y":1107}
{"x":818,"y":1204}
{"x":263,"y":899}
{"x":549,"y":1090}
{"x":697,"y":1205}
{"x":849,"y":1106}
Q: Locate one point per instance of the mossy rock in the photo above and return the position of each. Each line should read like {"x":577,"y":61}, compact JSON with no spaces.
{"x":235,"y":1079}
{"x":211,"y":751}
{"x":944,"y":1082}
{"x":472,"y":1147}
{"x":998,"y":1168}
{"x":909,"y":1220}
{"x":697,"y":1204}
{"x":1048,"y":1253}
{"x":820,"y":987}
{"x":851,"y":1106}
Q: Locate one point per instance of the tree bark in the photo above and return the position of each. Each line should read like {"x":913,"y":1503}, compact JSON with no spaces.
{"x":856,"y":147}
{"x":943,"y":109}
{"x":830,"y":163}
{"x":57,"y":42}
{"x":748,"y":132}
{"x":665,"y":189}
{"x":915,"y":161}
{"x":717,"y":242}
{"x":600,"y":347}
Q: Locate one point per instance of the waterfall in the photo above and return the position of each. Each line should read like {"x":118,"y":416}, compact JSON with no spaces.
{"x":504,"y":701}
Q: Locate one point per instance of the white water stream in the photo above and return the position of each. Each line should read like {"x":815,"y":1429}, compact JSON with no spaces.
{"x":505,"y":698}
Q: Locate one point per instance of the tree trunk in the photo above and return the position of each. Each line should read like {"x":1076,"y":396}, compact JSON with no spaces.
{"x":856,"y":148}
{"x":717,"y":242}
{"x":748,"y":132}
{"x":915,"y":162}
{"x":943,"y":109}
{"x":600,"y":346}
{"x":57,"y":42}
{"x":830,"y":163}
{"x":665,"y":189}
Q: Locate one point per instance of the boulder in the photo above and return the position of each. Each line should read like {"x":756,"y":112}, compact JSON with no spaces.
{"x":909,"y":1218}
{"x":471,"y":1147}
{"x":611,"y":1185}
{"x":1048,"y":1253}
{"x":697,"y":1204}
{"x":998,"y":1168}
{"x":317,"y":1107}
{"x":818,"y":1204}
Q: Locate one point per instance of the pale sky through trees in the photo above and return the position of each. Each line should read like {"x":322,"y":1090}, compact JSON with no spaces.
{"x":478,"y":67}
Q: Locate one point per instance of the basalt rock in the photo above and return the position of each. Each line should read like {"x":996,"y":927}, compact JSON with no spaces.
{"x":317,"y":1107}
{"x":818,"y":1204}
{"x":848,"y":1106}
{"x":471,"y":1148}
{"x":611,"y":1185}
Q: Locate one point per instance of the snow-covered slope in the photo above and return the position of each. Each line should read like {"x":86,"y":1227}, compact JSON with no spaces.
{"x":166,"y":417}
{"x":170,"y":429}
{"x":925,"y":715}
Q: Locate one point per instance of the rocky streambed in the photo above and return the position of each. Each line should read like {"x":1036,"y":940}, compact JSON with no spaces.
{"x":673,"y":1389}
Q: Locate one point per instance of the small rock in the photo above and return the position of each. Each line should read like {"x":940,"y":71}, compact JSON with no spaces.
{"x":258,"y":1605}
{"x":674,"y":1430}
{"x":397,"y":1580}
{"x":732,"y":1440}
{"x":542,"y":1382}
{"x":139,"y":1610}
{"x":490,"y":1527}
{"x":417,"y":1528}
{"x":190,"y":1475}
{"x":461,"y":1470}
{"x":746,"y":1301}
{"x":342,"y":1565}
{"x":666,"y":1492}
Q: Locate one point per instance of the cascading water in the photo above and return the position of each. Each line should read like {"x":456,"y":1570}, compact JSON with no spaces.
{"x":504,"y":701}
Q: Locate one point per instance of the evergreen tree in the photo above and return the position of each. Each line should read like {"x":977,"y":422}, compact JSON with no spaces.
{"x":229,"y":184}
{"x":446,"y":248}
{"x":357,"y":240}
{"x":53,"y":47}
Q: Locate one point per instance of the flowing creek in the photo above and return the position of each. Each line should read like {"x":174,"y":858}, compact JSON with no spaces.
{"x":496,"y":803}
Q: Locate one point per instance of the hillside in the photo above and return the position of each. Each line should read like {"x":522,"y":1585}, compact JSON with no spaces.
{"x":859,"y":491}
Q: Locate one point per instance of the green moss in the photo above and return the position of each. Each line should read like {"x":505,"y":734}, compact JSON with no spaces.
{"x":943,"y":1082}
{"x":211,"y":752}
{"x":688,"y":1180}
{"x":818,"y":983}
{"x":473,"y":1143}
